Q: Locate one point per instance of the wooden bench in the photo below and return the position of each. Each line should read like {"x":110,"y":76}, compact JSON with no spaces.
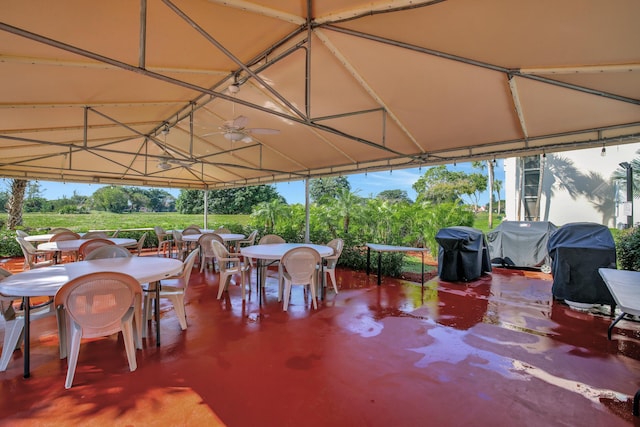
{"x":390,"y":248}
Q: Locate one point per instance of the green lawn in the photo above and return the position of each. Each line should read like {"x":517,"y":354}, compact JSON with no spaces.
{"x":111,"y":221}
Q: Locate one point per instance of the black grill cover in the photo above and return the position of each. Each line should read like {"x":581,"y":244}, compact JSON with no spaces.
{"x":520,"y":243}
{"x":463,"y":254}
{"x":577,"y":251}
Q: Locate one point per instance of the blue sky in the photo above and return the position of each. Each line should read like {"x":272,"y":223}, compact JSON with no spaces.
{"x":365,"y":185}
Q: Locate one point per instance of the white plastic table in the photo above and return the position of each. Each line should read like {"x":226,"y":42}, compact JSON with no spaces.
{"x":74,"y":245}
{"x":624,"y":286}
{"x":47,"y":280}
{"x":274,"y":252}
{"x":226,"y":237}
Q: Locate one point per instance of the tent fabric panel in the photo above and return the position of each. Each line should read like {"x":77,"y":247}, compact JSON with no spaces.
{"x":521,"y":35}
{"x":550,"y":109}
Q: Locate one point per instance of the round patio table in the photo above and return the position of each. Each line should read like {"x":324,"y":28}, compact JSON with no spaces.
{"x":74,"y":245}
{"x":274,"y":252}
{"x":47,"y":280}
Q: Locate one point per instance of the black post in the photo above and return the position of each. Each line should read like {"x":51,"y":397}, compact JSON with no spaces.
{"x":627,"y":166}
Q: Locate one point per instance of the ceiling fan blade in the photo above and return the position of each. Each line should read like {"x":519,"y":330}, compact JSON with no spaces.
{"x":264,"y":131}
{"x":211,"y":133}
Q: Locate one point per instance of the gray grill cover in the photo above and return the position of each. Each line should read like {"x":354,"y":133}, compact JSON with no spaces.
{"x":520,"y":243}
{"x":463,"y":254}
{"x":577,"y":251}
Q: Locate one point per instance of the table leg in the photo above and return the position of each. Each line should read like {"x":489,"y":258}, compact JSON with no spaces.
{"x":156,"y":307}
{"x":368,"y":259}
{"x":422,"y":253}
{"x":619,"y":318}
{"x":259,"y":263}
{"x":27,"y":337}
{"x":379,"y":268}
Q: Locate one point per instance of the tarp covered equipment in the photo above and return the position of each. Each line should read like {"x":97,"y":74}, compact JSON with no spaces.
{"x":463,"y":254}
{"x":577,"y":251}
{"x":521,"y":244}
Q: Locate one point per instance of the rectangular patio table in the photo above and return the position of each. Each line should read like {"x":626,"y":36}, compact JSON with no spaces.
{"x":391,"y":248}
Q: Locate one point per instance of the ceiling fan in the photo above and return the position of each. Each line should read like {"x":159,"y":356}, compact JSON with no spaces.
{"x":237,"y":130}
{"x":166,"y":163}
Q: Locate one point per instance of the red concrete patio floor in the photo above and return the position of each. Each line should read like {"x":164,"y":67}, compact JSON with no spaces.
{"x":497,"y":351}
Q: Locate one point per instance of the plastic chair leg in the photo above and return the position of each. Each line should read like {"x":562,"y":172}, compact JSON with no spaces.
{"x":12,"y":338}
{"x":74,"y":350}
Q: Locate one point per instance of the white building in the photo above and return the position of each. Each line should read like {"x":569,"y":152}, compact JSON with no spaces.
{"x":576,"y":186}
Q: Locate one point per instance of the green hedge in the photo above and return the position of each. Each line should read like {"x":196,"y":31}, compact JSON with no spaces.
{"x":628,"y":249}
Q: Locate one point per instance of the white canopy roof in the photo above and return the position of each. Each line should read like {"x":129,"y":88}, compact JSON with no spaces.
{"x":86,"y":88}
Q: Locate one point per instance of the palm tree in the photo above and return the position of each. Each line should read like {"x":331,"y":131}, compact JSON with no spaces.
{"x":347,"y":204}
{"x":489,"y":165}
{"x":269,"y":212}
{"x":15,"y":203}
{"x":497,"y":187}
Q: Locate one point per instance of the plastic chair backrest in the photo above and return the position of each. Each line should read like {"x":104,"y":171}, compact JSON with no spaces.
{"x":140,"y":243}
{"x":160,"y":232}
{"x":252,"y":237}
{"x":97,"y":302}
{"x":94,"y":235}
{"x":187,"y":267}
{"x":27,"y":248}
{"x":270,"y":239}
{"x":64,"y":235}
{"x":336,"y":245}
{"x":223,"y":256}
{"x":204,"y":242}
{"x":59,"y":230}
{"x":191,"y":230}
{"x":92,"y":244}
{"x":108,"y":251}
{"x":21,"y":233}
{"x":301,"y":264}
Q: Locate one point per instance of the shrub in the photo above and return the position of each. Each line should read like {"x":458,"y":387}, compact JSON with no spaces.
{"x":628,"y":249}
{"x":9,"y":246}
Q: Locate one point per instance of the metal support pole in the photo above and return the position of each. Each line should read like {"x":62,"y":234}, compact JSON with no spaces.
{"x":627,"y":166}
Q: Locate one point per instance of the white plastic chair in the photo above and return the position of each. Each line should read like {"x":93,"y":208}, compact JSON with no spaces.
{"x":179,"y":244}
{"x":91,"y":245}
{"x":249,"y":241}
{"x":65,"y":235}
{"x":206,"y":249}
{"x":173,"y":288}
{"x":269,"y":239}
{"x":97,"y":305}
{"x":94,"y":235}
{"x":164,"y":240}
{"x":229,"y":265}
{"x":137,"y":249}
{"x":332,"y":261}
{"x":298,"y":266}
{"x":34,"y":258}
{"x":14,"y":322}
